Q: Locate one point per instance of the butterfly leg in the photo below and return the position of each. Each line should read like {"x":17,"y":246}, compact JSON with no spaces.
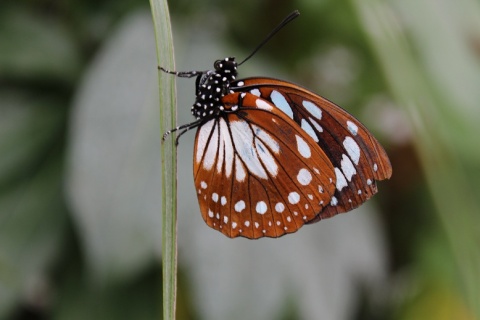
{"x":184,"y":128}
{"x":183,"y":74}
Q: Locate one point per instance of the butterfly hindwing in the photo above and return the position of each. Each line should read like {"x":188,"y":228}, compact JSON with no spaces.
{"x":257,"y":173}
{"x":356,"y":156}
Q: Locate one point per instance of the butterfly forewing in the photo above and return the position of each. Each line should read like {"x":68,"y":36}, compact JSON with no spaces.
{"x":356,"y":156}
{"x":257,"y":173}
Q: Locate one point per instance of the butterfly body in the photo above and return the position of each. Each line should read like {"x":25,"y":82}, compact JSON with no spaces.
{"x":211,"y":86}
{"x":271,"y":156}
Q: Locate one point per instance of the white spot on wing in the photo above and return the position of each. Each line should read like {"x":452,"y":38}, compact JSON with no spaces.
{"x":234,"y":225}
{"x":210,"y":213}
{"x":203,"y":184}
{"x":212,"y":149}
{"x":262,"y":104}
{"x":239,"y":206}
{"x":279,"y":207}
{"x":255,"y":92}
{"x":203,"y":134}
{"x":223,"y":200}
{"x":227,"y":143}
{"x":261,"y":207}
{"x":341,"y":182}
{"x":242,"y":138}
{"x":256,"y":157}
{"x":313,"y":109}
{"x":279,"y":100}
{"x":267,"y":159}
{"x":267,"y":139}
{"x":303,"y":147}
{"x":293,"y":197}
{"x":352,"y":149}
{"x":316,"y":125}
{"x":308,"y":129}
{"x":352,"y":127}
{"x":221,"y":146}
{"x":304,"y":177}
{"x":334,"y":201}
{"x":215,"y":197}
{"x":347,"y":167}
{"x":240,"y":173}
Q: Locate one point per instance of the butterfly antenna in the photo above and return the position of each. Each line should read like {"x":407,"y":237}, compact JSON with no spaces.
{"x":282,"y":24}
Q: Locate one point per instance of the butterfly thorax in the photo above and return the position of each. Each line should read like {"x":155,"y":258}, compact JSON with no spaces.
{"x":211,"y":86}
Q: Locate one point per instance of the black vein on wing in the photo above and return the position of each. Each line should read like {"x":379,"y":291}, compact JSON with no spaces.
{"x":292,"y":150}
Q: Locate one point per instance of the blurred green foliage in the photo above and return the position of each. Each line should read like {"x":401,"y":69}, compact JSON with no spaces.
{"x":423,"y":58}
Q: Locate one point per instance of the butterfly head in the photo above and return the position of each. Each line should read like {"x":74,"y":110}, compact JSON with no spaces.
{"x":227,"y":68}
{"x":212,"y":85}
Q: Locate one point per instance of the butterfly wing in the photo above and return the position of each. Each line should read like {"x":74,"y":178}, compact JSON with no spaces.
{"x":257,"y":173}
{"x":357,"y":157}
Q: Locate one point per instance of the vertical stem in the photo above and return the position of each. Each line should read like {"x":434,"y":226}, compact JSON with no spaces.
{"x":165,"y":58}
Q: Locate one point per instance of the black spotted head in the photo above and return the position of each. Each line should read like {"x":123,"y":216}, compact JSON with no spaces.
{"x":212,"y":86}
{"x":227,"y":68}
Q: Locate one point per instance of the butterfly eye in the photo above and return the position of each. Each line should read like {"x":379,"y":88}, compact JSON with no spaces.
{"x":218,"y":64}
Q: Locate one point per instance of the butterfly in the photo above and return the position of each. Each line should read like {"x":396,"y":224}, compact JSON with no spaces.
{"x":271,"y":156}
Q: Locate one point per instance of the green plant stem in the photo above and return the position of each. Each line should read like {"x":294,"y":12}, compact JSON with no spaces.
{"x":165,"y":58}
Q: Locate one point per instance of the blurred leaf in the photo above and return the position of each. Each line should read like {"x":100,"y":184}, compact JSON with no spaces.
{"x":319,"y":268}
{"x":32,"y":223}
{"x":437,"y":301}
{"x":434,"y":292}
{"x":450,"y":66}
{"x":35,"y":47}
{"x":114,"y":163}
{"x":417,"y":72}
{"x":29,"y":125}
{"x":79,"y":299}
{"x":32,"y":212}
